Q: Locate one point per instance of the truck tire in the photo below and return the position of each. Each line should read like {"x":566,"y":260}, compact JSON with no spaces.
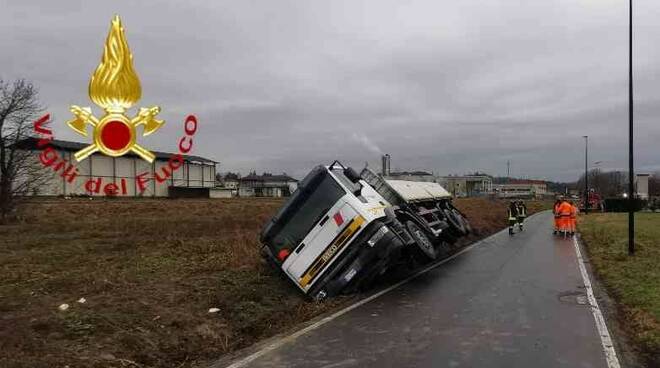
{"x":424,"y":244}
{"x":454,"y":219}
{"x":464,"y":221}
{"x":372,"y":278}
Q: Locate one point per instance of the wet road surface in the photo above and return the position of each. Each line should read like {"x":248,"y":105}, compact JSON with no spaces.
{"x":508,"y":302}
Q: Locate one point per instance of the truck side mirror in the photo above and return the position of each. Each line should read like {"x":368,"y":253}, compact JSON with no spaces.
{"x":352,"y":175}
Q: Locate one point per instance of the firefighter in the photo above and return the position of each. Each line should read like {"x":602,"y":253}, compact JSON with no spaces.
{"x":522,"y":213}
{"x":565,"y":210}
{"x":555,"y":212}
{"x":512,"y":213}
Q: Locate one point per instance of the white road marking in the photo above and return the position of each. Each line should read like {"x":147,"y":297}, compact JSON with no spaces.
{"x":608,"y":347}
{"x":276,"y":344}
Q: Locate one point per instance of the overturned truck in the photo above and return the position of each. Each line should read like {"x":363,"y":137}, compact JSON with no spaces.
{"x":341,"y":230}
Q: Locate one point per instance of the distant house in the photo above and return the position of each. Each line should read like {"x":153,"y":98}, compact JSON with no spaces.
{"x":267,"y":185}
{"x":231,"y":181}
{"x":226,"y":185}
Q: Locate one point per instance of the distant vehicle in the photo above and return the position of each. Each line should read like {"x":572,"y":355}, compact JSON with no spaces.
{"x":595,"y":202}
{"x":341,"y":230}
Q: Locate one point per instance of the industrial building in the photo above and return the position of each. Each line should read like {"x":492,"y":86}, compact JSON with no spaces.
{"x":522,"y":188}
{"x":458,"y":186}
{"x":467,"y":185}
{"x":267,"y":185}
{"x":420,"y":176}
{"x":642,"y":185}
{"x":195,"y":177}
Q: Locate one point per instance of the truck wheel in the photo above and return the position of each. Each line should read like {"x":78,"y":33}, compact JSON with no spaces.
{"x":423,"y":242}
{"x":454,"y":220}
{"x":464,"y":221}
{"x":370,"y":280}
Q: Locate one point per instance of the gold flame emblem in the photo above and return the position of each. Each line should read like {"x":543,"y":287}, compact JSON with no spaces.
{"x":115,"y":87}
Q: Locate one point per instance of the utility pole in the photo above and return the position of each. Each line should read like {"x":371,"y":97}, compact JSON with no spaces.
{"x":631,"y":167}
{"x":586,"y":174}
{"x":508,"y":167}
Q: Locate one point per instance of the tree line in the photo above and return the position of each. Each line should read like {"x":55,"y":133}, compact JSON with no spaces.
{"x":615,"y":183}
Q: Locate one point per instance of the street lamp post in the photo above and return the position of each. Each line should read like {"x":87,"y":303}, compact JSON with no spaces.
{"x":631,"y":168}
{"x":586,"y":173}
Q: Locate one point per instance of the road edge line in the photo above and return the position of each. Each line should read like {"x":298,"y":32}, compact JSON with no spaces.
{"x":605,"y":338}
{"x":279,"y":342}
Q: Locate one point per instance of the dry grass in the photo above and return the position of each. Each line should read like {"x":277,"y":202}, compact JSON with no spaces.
{"x":149,"y":270}
{"x":489,"y":215}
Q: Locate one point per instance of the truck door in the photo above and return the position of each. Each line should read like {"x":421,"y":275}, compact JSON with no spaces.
{"x":323,"y":244}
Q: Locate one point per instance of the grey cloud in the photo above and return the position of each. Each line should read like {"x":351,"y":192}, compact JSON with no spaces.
{"x":450,"y":87}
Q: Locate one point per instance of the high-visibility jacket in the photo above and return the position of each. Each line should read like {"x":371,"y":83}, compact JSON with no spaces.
{"x":565,"y":209}
{"x":555,"y":209}
{"x":573,"y":219}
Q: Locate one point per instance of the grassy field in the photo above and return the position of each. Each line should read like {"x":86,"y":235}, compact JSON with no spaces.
{"x":149,"y":271}
{"x":633,"y":281}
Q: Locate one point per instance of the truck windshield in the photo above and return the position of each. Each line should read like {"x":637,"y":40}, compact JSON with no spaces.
{"x":316,"y":194}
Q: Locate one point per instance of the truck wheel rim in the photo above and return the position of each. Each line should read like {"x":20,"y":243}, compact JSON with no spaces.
{"x":423,"y":241}
{"x":465,"y":225}
{"x":451,"y":217}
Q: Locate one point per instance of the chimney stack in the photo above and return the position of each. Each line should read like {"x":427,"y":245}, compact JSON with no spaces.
{"x":386,"y":164}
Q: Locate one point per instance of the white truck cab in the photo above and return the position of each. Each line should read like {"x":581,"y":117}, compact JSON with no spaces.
{"x":337,"y":232}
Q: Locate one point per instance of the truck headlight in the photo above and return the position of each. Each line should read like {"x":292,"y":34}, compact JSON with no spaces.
{"x":377,"y":236}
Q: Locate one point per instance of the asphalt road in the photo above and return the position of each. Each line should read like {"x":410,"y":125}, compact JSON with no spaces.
{"x":511,"y":301}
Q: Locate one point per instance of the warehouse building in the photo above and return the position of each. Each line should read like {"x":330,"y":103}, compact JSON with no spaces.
{"x":458,"y":186}
{"x":195,"y":177}
{"x":267,"y":185}
{"x":522,"y":188}
{"x":467,"y":185}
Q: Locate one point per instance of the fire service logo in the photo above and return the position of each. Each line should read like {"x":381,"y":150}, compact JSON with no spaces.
{"x":115,"y":87}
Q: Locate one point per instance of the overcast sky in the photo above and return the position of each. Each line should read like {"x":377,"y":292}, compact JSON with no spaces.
{"x":444,"y":86}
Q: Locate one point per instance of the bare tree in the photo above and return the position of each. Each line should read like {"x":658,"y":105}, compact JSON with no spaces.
{"x":605,"y":183}
{"x":19,"y":171}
